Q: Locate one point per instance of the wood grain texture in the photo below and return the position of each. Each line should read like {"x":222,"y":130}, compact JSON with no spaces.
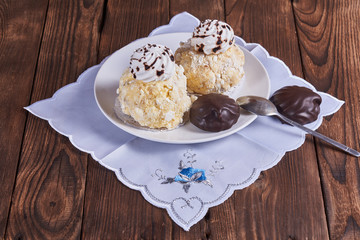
{"x":127,"y":21}
{"x":112,"y":210}
{"x":49,"y":193}
{"x":286,"y":201}
{"x":210,"y":9}
{"x":21,"y":25}
{"x":330,"y":43}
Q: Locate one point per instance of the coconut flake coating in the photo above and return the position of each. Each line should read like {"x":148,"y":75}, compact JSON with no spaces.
{"x":215,"y":73}
{"x":155,"y":104}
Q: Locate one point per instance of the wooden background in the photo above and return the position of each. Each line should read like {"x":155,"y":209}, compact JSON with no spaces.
{"x":51,"y":190}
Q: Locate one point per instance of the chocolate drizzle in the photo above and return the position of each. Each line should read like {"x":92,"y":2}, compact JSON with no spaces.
{"x":147,"y":65}
{"x":216,"y":34}
{"x":159,"y":73}
{"x":201,"y":47}
{"x":300,"y":104}
{"x":152,"y":64}
{"x":214,"y":112}
{"x":216,"y":49}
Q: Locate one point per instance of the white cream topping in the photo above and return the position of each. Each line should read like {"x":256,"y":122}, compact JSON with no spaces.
{"x":212,"y":37}
{"x":152,"y":62}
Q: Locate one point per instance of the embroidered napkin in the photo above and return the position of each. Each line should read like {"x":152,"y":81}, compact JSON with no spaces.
{"x":187,"y":179}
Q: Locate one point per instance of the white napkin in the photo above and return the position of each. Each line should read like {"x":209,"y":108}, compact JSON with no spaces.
{"x":184,"y":179}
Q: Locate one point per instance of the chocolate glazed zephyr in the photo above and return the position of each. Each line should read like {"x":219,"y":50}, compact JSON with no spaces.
{"x":300,"y":104}
{"x":214,"y":112}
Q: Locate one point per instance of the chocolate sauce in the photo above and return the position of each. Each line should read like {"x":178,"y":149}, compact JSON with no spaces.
{"x":216,"y":33}
{"x":214,"y":112}
{"x":150,"y":62}
{"x":300,"y":104}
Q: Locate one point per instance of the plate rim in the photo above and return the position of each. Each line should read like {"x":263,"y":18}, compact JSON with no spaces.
{"x":222,"y":134}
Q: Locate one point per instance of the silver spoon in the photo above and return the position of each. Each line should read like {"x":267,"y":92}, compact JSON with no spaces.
{"x":263,"y":107}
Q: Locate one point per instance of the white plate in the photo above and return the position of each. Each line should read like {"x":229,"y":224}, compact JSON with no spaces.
{"x":256,"y":83}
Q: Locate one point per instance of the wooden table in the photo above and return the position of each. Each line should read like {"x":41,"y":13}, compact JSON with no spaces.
{"x":51,"y":190}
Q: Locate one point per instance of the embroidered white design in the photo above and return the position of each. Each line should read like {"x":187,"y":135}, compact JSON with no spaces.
{"x":188,"y":174}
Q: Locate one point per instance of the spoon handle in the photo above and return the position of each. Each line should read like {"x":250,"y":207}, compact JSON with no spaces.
{"x":322,"y":137}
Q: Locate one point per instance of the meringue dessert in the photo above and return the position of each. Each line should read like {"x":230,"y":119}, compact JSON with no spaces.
{"x":152,"y":91}
{"x":212,"y":62}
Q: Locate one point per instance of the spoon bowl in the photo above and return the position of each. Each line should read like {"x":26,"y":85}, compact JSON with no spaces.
{"x":257,"y":105}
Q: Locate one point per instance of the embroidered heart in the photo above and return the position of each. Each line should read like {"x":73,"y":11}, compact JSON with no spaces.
{"x":187,"y":210}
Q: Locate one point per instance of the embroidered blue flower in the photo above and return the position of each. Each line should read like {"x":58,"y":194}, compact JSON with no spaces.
{"x":187,"y":175}
{"x":190,"y":175}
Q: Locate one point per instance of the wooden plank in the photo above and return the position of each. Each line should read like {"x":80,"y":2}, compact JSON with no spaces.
{"x":329,"y":40}
{"x":127,"y":21}
{"x":49,"y":192}
{"x":112,"y":210}
{"x":211,"y":9}
{"x":21,"y":25}
{"x":286,"y":201}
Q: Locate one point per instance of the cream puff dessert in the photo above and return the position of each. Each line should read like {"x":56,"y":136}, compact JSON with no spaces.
{"x":212,"y":62}
{"x":152,"y":91}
